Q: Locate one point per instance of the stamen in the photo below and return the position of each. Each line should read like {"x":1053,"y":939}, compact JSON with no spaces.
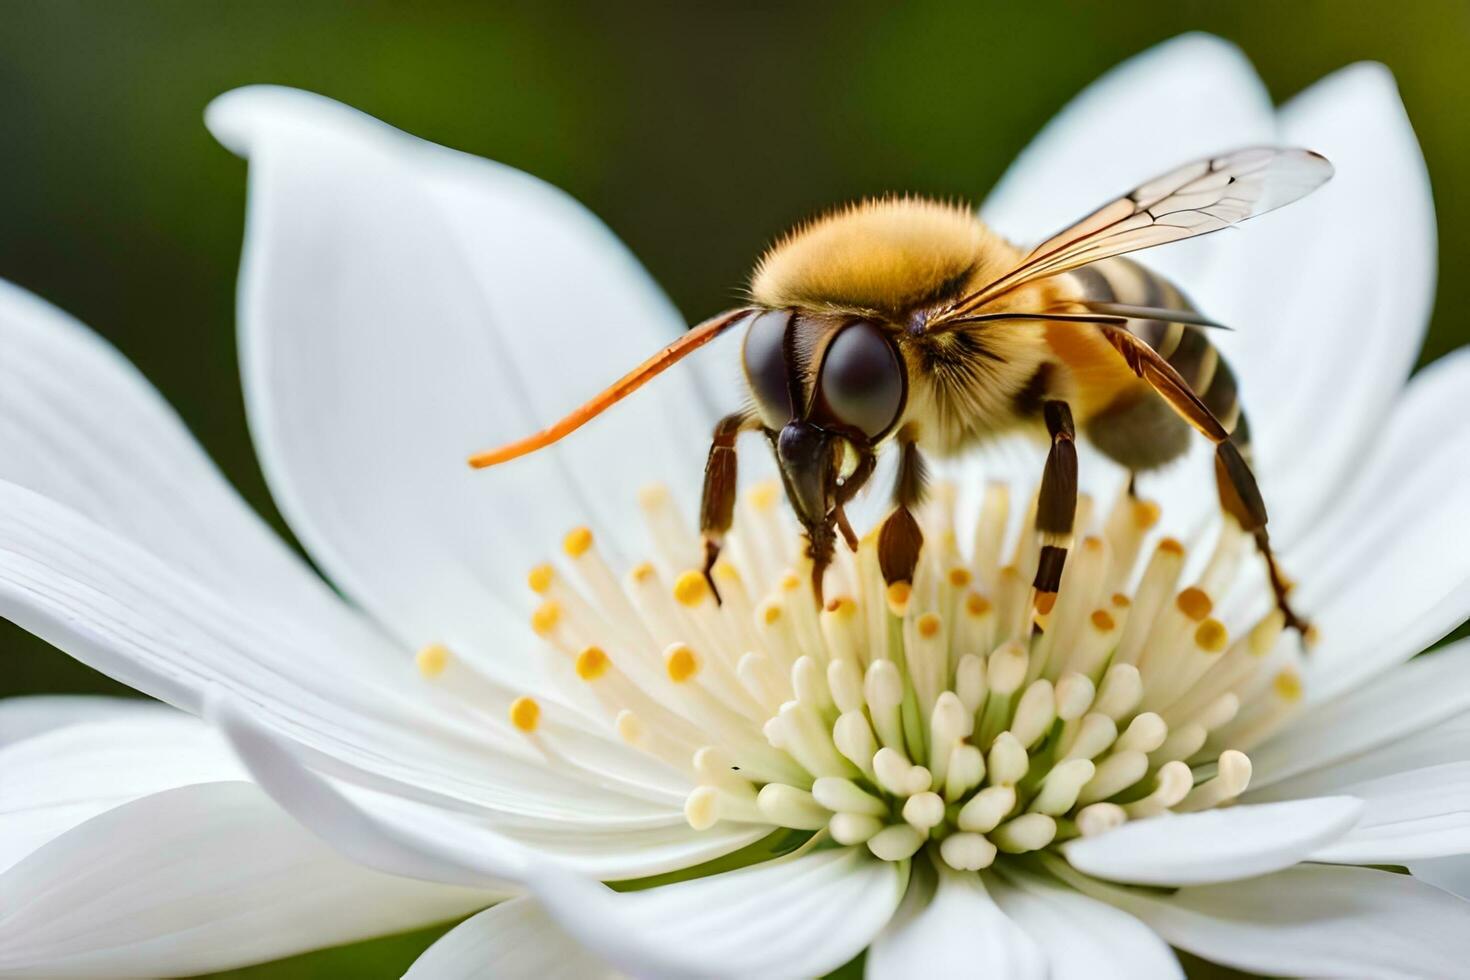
{"x":947,"y":712}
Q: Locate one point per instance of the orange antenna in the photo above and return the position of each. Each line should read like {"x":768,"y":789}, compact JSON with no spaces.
{"x":622,"y":388}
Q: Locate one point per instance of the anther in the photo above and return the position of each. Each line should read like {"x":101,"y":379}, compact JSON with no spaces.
{"x":592,"y":663}
{"x":525,"y":714}
{"x":691,"y":588}
{"x":681,"y":663}
{"x":576,"y":543}
{"x":546,"y":617}
{"x":540,"y":578}
{"x":432,"y":659}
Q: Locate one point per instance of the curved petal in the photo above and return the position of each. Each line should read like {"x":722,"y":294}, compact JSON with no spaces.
{"x":1214,"y":845}
{"x":1411,"y":698}
{"x":80,"y":425}
{"x":123,"y":611}
{"x":1083,"y":939}
{"x":402,"y":306}
{"x":1183,"y":99}
{"x":59,"y":779}
{"x":514,"y":939}
{"x":1327,"y":329}
{"x":1423,"y":813}
{"x":1449,"y":873}
{"x":1309,"y":921}
{"x":400,"y":835}
{"x":792,"y":917}
{"x":33,"y":714}
{"x":195,"y":879}
{"x":949,"y":926}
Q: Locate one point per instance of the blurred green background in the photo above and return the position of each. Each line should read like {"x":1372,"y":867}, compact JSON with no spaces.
{"x":697,"y":132}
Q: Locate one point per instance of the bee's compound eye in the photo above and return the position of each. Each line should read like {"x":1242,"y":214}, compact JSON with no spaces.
{"x":862,"y":379}
{"x":764,"y":356}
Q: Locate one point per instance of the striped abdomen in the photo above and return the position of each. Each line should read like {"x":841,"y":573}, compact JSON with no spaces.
{"x":1140,"y":431}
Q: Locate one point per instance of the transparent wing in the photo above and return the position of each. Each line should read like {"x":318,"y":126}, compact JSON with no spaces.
{"x":1192,"y":200}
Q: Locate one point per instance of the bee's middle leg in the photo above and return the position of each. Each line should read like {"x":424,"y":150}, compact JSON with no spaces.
{"x":1056,"y":506}
{"x":717,"y":503}
{"x":1240,"y":497}
{"x":900,"y":539}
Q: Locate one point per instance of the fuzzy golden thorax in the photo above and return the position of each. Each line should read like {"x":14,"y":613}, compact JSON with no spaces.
{"x":888,"y":256}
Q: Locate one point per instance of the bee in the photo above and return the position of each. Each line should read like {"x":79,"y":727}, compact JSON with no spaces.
{"x":908,"y":322}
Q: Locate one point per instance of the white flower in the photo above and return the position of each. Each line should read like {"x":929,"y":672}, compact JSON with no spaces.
{"x":402,"y":305}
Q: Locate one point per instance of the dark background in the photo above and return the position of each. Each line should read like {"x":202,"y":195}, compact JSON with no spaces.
{"x":696,"y":132}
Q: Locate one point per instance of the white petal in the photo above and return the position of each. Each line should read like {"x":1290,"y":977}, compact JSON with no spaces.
{"x":1214,"y":845}
{"x":59,"y":779}
{"x":1183,"y":99}
{"x":196,"y":879}
{"x":514,"y":939}
{"x":407,"y":836}
{"x":953,"y":928}
{"x":22,"y":717}
{"x":1376,"y":574}
{"x":80,"y":425}
{"x":1450,"y":873}
{"x":1083,"y":939}
{"x":1423,"y":813}
{"x":801,"y":916}
{"x":402,"y":306}
{"x":1411,"y":698}
{"x":1309,"y":921}
{"x":1327,"y":326}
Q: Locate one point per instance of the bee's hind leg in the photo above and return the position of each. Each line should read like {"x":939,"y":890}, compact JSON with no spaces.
{"x":900,"y":539}
{"x":717,"y":503}
{"x":1240,"y":497}
{"x":1056,"y":505}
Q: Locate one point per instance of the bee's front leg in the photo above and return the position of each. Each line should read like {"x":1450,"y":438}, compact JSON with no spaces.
{"x":717,"y":503}
{"x":1056,"y":506}
{"x":900,"y":539}
{"x":1240,"y":497}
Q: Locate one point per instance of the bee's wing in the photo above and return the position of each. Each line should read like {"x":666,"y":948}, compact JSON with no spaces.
{"x":1195,"y":199}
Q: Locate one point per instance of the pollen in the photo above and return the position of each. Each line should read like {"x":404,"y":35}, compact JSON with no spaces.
{"x":899,"y":594}
{"x":691,"y":589}
{"x":432,"y":659}
{"x":1146,"y":514}
{"x":577,"y":541}
{"x":1195,"y":604}
{"x":592,"y":663}
{"x":762,"y":496}
{"x":1288,"y":686}
{"x":525,"y":714}
{"x":546,"y":617}
{"x":976,"y":604}
{"x":1120,"y":601}
{"x":540,"y":578}
{"x":726,"y":572}
{"x":1045,"y":602}
{"x":1211,"y":636}
{"x":642,"y":572}
{"x":790,"y":582}
{"x":681,"y":663}
{"x":842,"y":606}
{"x":1102,"y":620}
{"x":928,"y":625}
{"x":1172,"y":546}
{"x":959,"y":576}
{"x":771,"y":613}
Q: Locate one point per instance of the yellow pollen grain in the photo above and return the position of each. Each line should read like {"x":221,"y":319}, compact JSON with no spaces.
{"x":898,"y":597}
{"x":432,"y":659}
{"x":725,"y":571}
{"x":592,"y":663}
{"x":1092,"y":543}
{"x":771,"y":613}
{"x":642,"y":572}
{"x":577,"y":541}
{"x":762,"y":496}
{"x":842,"y":607}
{"x":525,"y":714}
{"x":1121,"y":601}
{"x":681,"y":663}
{"x":546,"y":616}
{"x":1102,"y":620}
{"x":790,"y":582}
{"x":1194,"y":603}
{"x":1311,"y":637}
{"x":691,"y":589}
{"x":1045,"y":602}
{"x":539,"y":578}
{"x":959,"y":577}
{"x":1146,"y":514}
{"x":1211,"y":636}
{"x":1288,"y":686}
{"x":928,"y":625}
{"x":1172,"y":546}
{"x":976,"y":604}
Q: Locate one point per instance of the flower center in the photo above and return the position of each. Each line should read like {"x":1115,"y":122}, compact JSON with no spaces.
{"x":955,"y":711}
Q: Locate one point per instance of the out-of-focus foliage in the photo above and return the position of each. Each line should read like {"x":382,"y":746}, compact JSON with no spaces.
{"x":696,"y":131}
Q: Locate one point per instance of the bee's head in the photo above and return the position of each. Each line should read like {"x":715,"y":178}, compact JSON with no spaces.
{"x":827,"y":390}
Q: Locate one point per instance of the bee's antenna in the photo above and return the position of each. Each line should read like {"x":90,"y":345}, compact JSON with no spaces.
{"x":622,"y":388}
